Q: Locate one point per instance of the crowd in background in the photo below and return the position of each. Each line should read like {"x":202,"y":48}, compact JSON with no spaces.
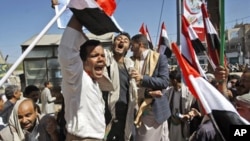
{"x":185,"y":119}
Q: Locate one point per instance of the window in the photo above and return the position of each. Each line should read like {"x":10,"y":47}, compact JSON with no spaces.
{"x":35,"y":72}
{"x":40,"y":53}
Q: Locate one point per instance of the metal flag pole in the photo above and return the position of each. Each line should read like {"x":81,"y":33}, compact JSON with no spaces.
{"x":179,"y":13}
{"x":31,"y":46}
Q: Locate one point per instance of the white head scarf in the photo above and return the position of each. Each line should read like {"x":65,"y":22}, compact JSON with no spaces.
{"x":14,"y":122}
{"x":19,"y":135}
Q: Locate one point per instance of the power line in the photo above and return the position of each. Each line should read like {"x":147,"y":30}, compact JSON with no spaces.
{"x":237,"y":19}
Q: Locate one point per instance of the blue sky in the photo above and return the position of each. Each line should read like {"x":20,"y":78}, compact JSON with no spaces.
{"x":20,"y":20}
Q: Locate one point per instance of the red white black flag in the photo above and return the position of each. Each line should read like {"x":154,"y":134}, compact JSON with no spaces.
{"x":189,"y":43}
{"x":95,"y":15}
{"x":212,"y":101}
{"x":144,"y":30}
{"x":213,"y":40}
{"x":164,"y":45}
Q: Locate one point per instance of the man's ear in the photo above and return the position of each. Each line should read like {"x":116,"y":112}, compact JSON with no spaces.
{"x":15,"y":93}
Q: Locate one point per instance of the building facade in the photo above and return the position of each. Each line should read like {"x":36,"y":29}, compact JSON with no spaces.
{"x":238,"y":44}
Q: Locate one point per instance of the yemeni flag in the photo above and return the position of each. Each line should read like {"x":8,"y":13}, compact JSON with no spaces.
{"x":212,"y":38}
{"x":144,"y":30}
{"x":108,"y":6}
{"x":213,"y":102}
{"x":164,"y":45}
{"x":95,"y":18}
{"x":190,"y":44}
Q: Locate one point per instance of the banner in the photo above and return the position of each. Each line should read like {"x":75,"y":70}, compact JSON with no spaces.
{"x":192,"y":12}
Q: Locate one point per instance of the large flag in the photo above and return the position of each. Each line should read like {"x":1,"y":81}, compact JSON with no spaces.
{"x":164,"y":45}
{"x":93,"y":17}
{"x":144,"y":30}
{"x":212,"y":101}
{"x":213,"y":41}
{"x":189,"y":44}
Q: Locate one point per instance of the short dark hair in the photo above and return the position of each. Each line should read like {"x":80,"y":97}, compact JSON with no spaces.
{"x":84,"y":52}
{"x":10,"y":90}
{"x":46,"y":83}
{"x":122,"y":33}
{"x":30,"y":89}
{"x":141,"y":38}
{"x":175,"y":74}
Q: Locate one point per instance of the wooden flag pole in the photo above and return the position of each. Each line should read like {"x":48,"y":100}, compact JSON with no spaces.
{"x":31,"y":46}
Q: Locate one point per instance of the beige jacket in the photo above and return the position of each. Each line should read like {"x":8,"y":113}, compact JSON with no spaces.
{"x":114,"y":95}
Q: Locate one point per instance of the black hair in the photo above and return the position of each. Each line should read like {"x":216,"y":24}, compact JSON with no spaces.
{"x":122,"y":33}
{"x":84,"y":51}
{"x":175,"y":74}
{"x":30,"y":89}
{"x":46,"y":83}
{"x":141,"y":38}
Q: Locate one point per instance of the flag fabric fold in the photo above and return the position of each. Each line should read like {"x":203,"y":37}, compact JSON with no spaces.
{"x":164,"y":45}
{"x":212,"y":38}
{"x":93,"y":17}
{"x":144,"y":30}
{"x":108,"y":6}
{"x":149,"y":39}
{"x":189,"y":43}
{"x":212,"y":101}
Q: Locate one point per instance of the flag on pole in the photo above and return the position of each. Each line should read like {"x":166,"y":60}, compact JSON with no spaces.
{"x":164,"y":45}
{"x":93,"y":17}
{"x":149,"y":39}
{"x":212,"y":101}
{"x":189,"y":31}
{"x":144,"y":30}
{"x":189,"y":43}
{"x":213,"y":41}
